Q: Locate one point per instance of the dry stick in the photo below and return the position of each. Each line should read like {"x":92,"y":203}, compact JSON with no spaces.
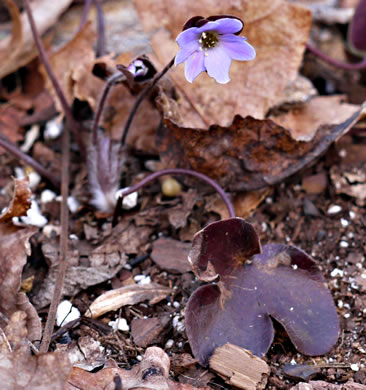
{"x":174,"y":171}
{"x":44,"y":60}
{"x":140,"y":98}
{"x":14,"y":150}
{"x":334,"y":62}
{"x":57,"y":293}
{"x":101,"y":29}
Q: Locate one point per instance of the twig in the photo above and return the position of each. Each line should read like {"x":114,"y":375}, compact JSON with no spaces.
{"x":57,"y":293}
{"x":140,"y":98}
{"x":101,"y":102}
{"x":334,"y":62}
{"x":44,"y":60}
{"x":84,"y":15}
{"x":173,"y":171}
{"x":101,"y":29}
{"x":14,"y":150}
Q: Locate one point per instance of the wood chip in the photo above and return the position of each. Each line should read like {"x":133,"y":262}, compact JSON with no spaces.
{"x":240,"y":366}
{"x":128,"y":295}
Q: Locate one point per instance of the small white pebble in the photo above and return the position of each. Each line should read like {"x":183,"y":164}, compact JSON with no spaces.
{"x":176,"y":304}
{"x":343,"y":244}
{"x":350,"y":235}
{"x":129,"y":201}
{"x":47,"y":196}
{"x":291,"y":309}
{"x":169,"y":344}
{"x":142,"y":279}
{"x":347,"y":315}
{"x":264,"y":227}
{"x":354,"y":367}
{"x":293,"y":362}
{"x":340,"y":304}
{"x":352,"y":214}
{"x":336,"y":272}
{"x":119,"y":324}
{"x":139,"y":358}
{"x":180,"y":344}
{"x":269,"y":200}
{"x":334,"y":209}
{"x":34,"y":216}
{"x":53,"y":129}
{"x":294,"y":266}
{"x":344,"y":222}
{"x":66,"y":312}
{"x":73,"y":237}
{"x":73,"y":204}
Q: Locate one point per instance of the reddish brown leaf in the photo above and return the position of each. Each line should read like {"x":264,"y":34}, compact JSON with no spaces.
{"x":248,"y":155}
{"x":283,"y":282}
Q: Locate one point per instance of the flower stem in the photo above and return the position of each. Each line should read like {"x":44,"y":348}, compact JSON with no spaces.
{"x":141,"y":97}
{"x":174,"y":171}
{"x":84,"y":15}
{"x":15,"y":151}
{"x":334,"y":62}
{"x":59,"y":92}
{"x":103,"y":97}
{"x":101,"y":29}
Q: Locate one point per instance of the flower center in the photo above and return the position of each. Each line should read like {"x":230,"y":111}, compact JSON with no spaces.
{"x":208,"y":40}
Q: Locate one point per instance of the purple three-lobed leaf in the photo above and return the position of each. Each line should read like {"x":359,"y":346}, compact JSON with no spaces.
{"x":211,"y":47}
{"x":254,"y":285}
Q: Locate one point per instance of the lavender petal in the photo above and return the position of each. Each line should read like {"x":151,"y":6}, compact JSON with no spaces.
{"x":237,"y":48}
{"x":217,"y":63}
{"x":188,"y":37}
{"x":186,"y":51}
{"x":228,"y":25}
{"x":194,"y":66}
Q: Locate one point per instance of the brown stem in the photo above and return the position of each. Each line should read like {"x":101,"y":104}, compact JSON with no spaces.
{"x":101,"y":29}
{"x":334,"y":62}
{"x":57,"y":293}
{"x":59,"y":92}
{"x":173,"y":171}
{"x":141,"y":97}
{"x":15,"y":151}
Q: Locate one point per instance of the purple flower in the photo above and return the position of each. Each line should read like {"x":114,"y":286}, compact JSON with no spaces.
{"x":211,"y":46}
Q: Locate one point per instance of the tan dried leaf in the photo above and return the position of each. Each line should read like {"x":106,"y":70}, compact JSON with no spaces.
{"x":128,"y":295}
{"x":20,"y":202}
{"x":20,"y":46}
{"x":278,"y":31}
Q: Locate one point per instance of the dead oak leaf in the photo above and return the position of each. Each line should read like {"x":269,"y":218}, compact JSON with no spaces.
{"x":277,"y":31}
{"x":250,"y":154}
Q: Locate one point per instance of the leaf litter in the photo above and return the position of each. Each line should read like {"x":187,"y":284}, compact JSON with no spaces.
{"x":200,"y":120}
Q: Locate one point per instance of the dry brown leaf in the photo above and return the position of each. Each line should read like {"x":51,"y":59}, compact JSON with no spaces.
{"x":104,"y":261}
{"x":70,"y":60}
{"x":151,"y":374}
{"x":304,"y":121}
{"x":127,"y":295}
{"x":20,"y":202}
{"x":248,"y":155}
{"x":14,"y":248}
{"x":278,"y":31}
{"x":21,"y":43}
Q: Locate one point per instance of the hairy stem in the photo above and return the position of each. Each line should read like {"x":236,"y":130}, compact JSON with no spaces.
{"x":334,"y":62}
{"x":102,"y":99}
{"x":56,"y":85}
{"x":62,"y":265}
{"x":141,"y":97}
{"x":174,"y":171}
{"x":15,"y":151}
{"x":84,"y":15}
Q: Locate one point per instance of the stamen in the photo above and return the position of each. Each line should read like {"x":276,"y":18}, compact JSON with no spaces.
{"x":208,"y":40}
